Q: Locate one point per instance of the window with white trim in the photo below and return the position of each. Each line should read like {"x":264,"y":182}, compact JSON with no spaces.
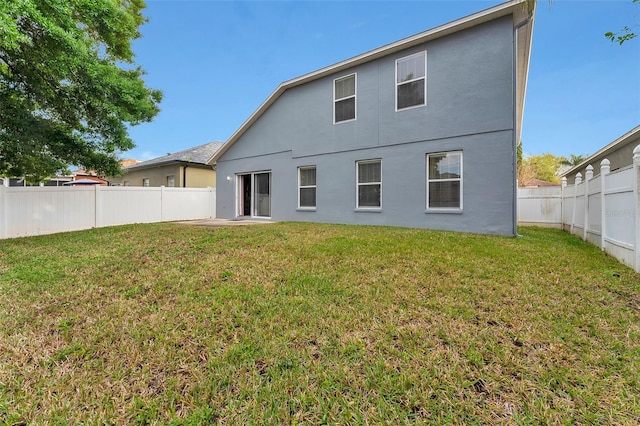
{"x":171,"y":181}
{"x":307,"y":187}
{"x":444,"y":180}
{"x":145,"y":182}
{"x":369,"y":184}
{"x":344,"y":98}
{"x":411,"y":81}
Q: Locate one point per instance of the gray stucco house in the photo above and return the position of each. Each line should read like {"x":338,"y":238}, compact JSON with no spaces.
{"x":418,"y":133}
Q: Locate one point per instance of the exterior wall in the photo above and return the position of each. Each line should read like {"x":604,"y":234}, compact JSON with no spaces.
{"x":197,"y":177}
{"x":200,"y":178}
{"x":470,"y":107}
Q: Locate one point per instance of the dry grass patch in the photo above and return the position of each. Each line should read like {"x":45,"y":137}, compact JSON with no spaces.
{"x":312,"y":324}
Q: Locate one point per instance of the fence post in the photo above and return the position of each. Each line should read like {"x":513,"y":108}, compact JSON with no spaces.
{"x":605,"y":168}
{"x":562,"y":188}
{"x":212,"y":201}
{"x":576,"y":182}
{"x":636,"y":191}
{"x":3,"y":211}
{"x":97,"y":204}
{"x":161,"y":203}
{"x":588,"y":176}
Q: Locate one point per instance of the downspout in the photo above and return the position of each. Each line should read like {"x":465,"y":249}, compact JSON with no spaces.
{"x":515,"y":124}
{"x":184,"y":175}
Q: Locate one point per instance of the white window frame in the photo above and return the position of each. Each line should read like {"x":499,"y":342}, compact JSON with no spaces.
{"x":424,"y":52}
{"x":171,"y":181}
{"x":358,"y":184}
{"x":145,"y":182}
{"x":300,"y":187}
{"x":354,"y":96}
{"x":460,"y":179}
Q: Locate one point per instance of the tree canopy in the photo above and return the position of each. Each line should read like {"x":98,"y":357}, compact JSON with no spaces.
{"x":69,"y":87}
{"x":625,"y":34}
{"x":546,"y":167}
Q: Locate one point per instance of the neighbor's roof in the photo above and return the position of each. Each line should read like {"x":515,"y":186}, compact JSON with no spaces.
{"x":522,"y":21}
{"x":628,"y":137}
{"x":198,"y":155}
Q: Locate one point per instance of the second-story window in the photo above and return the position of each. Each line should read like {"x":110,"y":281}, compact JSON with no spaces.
{"x":344,"y":98}
{"x":411,"y":81}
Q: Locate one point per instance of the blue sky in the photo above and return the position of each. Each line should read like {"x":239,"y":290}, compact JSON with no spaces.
{"x":217,"y":61}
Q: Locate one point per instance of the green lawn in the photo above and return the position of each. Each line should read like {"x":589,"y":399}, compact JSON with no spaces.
{"x":315,"y":324}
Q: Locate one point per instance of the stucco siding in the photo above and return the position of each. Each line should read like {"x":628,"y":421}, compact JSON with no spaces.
{"x":200,"y":177}
{"x":197,"y":177}
{"x":487,"y":185}
{"x":157,"y":176}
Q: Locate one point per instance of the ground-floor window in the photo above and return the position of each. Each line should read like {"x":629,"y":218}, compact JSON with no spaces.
{"x":307,"y":187}
{"x":254,"y":194}
{"x":369,"y":184}
{"x":171,"y":181}
{"x":145,"y":182}
{"x":444,"y":180}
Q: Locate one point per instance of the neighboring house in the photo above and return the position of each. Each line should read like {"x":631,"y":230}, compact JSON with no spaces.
{"x":539,"y":183}
{"x":189,"y":168}
{"x":418,"y":133}
{"x":84,"y":177}
{"x":619,"y":153}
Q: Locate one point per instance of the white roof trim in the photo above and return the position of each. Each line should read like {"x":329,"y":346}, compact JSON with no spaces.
{"x":521,"y":19}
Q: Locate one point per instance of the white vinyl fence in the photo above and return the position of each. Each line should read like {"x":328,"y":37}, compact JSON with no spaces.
{"x":602,"y":209}
{"x":26,"y":211}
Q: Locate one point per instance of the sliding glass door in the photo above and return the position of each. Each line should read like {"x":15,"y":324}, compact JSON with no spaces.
{"x":254,"y":194}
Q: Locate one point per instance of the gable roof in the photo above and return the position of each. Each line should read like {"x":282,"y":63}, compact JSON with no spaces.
{"x":522,"y":23}
{"x":201,"y":154}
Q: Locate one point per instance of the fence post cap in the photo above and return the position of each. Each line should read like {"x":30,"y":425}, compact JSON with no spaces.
{"x":589,"y":168}
{"x":605,"y":162}
{"x":636,"y":151}
{"x":579,"y":175}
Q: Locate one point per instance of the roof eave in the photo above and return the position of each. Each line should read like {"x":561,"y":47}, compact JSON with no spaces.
{"x":164,"y":163}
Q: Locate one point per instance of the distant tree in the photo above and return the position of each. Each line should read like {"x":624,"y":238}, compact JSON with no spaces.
{"x":544,"y":167}
{"x":574,"y":159}
{"x":69,"y":87}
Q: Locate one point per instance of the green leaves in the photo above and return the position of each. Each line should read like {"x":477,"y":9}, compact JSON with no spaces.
{"x":620,"y":39}
{"x":626,"y":35}
{"x":63,"y":97}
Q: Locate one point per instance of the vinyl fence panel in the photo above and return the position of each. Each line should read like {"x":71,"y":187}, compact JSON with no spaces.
{"x":27,"y":211}
{"x":603,"y":209}
{"x":46,"y":210}
{"x":540,"y":206}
